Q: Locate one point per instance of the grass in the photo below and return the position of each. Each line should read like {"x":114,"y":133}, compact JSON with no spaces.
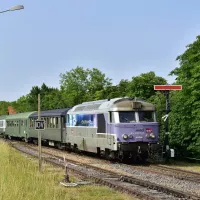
{"x":194,"y":167}
{"x":20,"y":180}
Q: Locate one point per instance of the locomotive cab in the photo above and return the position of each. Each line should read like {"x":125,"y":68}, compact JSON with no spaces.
{"x":135,"y":126}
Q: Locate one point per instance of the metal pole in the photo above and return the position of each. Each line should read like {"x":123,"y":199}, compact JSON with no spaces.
{"x":39,"y":137}
{"x":166,"y":139}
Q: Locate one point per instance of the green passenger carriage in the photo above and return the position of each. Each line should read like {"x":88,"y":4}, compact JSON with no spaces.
{"x":54,"y":133}
{"x":17,"y":125}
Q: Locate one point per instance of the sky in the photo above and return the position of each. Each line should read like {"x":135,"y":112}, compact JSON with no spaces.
{"x":121,"y":38}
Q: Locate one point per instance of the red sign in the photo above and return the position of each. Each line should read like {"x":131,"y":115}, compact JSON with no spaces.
{"x":167,"y":87}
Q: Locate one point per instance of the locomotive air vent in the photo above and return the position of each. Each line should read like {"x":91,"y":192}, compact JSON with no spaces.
{"x":136,"y":105}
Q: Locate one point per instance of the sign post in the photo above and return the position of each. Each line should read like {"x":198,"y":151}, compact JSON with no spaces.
{"x":39,"y":125}
{"x":166,"y":89}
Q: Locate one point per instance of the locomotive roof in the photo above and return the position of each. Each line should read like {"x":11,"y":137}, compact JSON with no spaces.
{"x":116,"y":104}
{"x":51,"y":113}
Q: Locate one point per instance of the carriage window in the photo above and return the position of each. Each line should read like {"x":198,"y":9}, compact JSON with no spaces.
{"x":56,"y":122}
{"x":63,"y":122}
{"x":32,"y":122}
{"x":146,"y":116}
{"x":48,"y":122}
{"x":51,"y":122}
{"x":45,"y":122}
{"x":126,"y":116}
{"x":67,"y":119}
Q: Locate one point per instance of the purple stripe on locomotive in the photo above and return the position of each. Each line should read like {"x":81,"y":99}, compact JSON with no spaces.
{"x":136,"y":132}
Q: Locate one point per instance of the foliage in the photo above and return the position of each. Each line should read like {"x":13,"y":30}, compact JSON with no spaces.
{"x":50,"y":98}
{"x":4,"y":107}
{"x":143,"y":85}
{"x":79,"y":84}
{"x":185,"y":116}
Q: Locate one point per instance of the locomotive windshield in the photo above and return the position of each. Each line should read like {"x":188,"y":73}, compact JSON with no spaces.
{"x":146,"y":116}
{"x":126,"y":116}
{"x":132,"y":116}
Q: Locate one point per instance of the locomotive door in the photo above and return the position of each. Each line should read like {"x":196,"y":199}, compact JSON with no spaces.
{"x":109,"y":129}
{"x":103,"y":127}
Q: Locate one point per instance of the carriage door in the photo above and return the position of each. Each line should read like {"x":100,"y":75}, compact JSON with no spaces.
{"x":63,"y":128}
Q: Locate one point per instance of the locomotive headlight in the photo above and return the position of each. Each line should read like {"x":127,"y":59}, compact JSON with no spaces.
{"x":125,"y":137}
{"x":152,"y":135}
{"x":130,"y":136}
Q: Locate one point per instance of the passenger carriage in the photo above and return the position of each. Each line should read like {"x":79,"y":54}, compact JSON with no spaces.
{"x":54,"y":133}
{"x":17,"y":125}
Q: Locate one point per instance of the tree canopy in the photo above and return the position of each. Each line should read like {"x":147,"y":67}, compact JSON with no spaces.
{"x":185,"y":115}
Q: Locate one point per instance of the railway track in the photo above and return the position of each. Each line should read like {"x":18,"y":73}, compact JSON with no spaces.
{"x":179,"y":173}
{"x":137,"y":187}
{"x":169,"y":171}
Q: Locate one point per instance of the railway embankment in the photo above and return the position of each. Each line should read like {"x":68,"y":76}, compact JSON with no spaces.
{"x":20,"y":179}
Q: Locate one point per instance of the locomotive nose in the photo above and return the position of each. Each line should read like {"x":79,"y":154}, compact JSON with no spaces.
{"x":137,"y":133}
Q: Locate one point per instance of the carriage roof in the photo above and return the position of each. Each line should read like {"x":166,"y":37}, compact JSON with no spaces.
{"x":51,"y":113}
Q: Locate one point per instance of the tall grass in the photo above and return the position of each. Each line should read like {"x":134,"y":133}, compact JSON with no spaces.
{"x":20,"y":180}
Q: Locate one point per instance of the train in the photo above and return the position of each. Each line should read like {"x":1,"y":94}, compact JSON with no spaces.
{"x":119,"y":128}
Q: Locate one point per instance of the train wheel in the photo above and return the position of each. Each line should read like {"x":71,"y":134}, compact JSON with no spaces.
{"x":10,"y":137}
{"x":120,"y":156}
{"x":102,"y":154}
{"x":59,"y":146}
{"x":35,"y":142}
{"x":108,"y":155}
{"x":26,"y":140}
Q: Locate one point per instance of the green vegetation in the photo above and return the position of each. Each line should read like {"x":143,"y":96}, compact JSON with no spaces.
{"x":193,"y":167}
{"x":20,"y":179}
{"x":185,"y":115}
{"x":79,"y":85}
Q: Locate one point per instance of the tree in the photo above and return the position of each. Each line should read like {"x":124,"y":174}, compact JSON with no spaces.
{"x":97,"y":81}
{"x":123,"y":87}
{"x":4,"y":107}
{"x":79,"y":84}
{"x":142,"y":85}
{"x":54,"y":100}
{"x":22,"y":104}
{"x":32,"y":98}
{"x":185,"y":115}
